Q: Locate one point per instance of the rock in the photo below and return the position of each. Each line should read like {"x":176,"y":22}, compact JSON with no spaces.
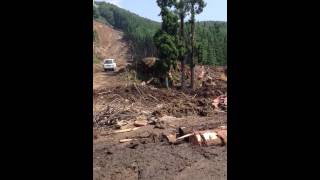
{"x":152,"y":122}
{"x":203,"y":112}
{"x":140,"y":123}
{"x":159,"y":125}
{"x":157,"y":113}
{"x":120,"y":124}
{"x":159,"y":106}
{"x":144,"y":135}
{"x":134,"y":166}
{"x":133,"y":145}
{"x":141,"y":118}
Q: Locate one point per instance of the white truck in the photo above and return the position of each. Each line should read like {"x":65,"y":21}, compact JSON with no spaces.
{"x":109,"y":64}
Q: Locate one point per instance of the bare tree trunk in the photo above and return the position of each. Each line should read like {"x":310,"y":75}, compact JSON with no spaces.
{"x":166,"y":81}
{"x":192,"y":78}
{"x":182,"y":73}
{"x":192,"y":48}
{"x":182,"y":60}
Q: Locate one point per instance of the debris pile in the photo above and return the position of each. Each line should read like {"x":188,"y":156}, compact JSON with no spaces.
{"x":220,"y":103}
{"x":141,"y":104}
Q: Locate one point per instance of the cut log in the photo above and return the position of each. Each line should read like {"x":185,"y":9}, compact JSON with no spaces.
{"x":171,"y":138}
{"x":126,"y":130}
{"x":185,"y":136}
{"x":208,"y":138}
{"x":222,"y":133}
{"x":184,"y":130}
{"x":125,"y":140}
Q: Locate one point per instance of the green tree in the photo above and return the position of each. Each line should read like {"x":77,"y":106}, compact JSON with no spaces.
{"x":95,"y":36}
{"x":106,"y":12}
{"x":139,"y":32}
{"x":165,"y":39}
{"x":203,"y":50}
{"x":225,"y":51}
{"x":182,"y":10}
{"x":95,"y":13}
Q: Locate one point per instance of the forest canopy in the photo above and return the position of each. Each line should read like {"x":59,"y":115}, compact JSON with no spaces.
{"x":211,"y":36}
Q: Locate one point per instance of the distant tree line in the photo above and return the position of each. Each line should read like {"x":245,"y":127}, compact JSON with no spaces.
{"x":211,"y":42}
{"x":138,"y":30}
{"x":210,"y":36}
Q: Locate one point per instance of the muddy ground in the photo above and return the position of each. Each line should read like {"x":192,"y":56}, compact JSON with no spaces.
{"x":150,"y":156}
{"x":118,"y":103}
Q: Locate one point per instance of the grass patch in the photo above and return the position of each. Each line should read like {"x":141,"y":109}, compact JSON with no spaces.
{"x":95,"y":59}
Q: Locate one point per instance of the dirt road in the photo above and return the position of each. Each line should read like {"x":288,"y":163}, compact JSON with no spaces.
{"x":103,"y":79}
{"x":110,"y":44}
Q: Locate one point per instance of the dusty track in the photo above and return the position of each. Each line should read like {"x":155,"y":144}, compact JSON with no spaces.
{"x":110,"y":44}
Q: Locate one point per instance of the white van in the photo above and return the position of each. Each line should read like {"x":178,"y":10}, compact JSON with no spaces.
{"x":109,"y":64}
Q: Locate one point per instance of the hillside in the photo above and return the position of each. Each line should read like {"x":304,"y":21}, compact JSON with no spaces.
{"x":211,"y":35}
{"x":109,"y":43}
{"x":138,"y":30}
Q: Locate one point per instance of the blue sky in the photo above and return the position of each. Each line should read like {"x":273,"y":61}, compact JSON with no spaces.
{"x":216,"y":10}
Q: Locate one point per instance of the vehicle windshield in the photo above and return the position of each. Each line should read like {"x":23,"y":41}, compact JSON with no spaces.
{"x":108,"y":61}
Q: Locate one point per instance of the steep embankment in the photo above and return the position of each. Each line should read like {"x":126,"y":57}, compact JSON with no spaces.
{"x":109,"y":44}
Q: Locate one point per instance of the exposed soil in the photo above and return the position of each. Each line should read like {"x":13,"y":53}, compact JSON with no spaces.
{"x":110,"y":44}
{"x":152,"y":157}
{"x":118,"y":103}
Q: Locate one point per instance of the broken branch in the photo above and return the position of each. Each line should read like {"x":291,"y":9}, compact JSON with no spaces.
{"x":126,"y":130}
